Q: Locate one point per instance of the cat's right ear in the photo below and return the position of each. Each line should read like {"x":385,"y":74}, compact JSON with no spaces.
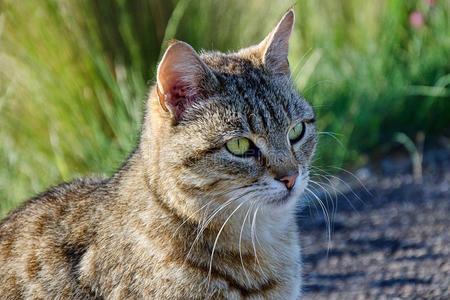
{"x":181,"y":78}
{"x":275,"y":46}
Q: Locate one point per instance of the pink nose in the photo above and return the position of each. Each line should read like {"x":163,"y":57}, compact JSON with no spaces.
{"x":289,"y":181}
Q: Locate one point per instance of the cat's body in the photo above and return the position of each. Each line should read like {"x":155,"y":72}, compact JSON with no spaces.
{"x":91,"y":247}
{"x":185,"y":218}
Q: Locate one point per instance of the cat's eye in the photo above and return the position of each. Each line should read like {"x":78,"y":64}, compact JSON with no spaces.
{"x":239,"y":146}
{"x":296,"y":132}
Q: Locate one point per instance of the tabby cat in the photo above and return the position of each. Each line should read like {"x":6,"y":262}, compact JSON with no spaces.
{"x":204,"y":208}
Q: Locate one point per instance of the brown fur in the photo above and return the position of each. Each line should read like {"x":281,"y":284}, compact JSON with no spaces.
{"x":148,"y":232}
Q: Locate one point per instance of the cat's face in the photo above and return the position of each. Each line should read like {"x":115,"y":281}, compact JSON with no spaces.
{"x":236,"y":129}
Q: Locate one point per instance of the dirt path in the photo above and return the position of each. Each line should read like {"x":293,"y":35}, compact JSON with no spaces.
{"x":393,"y":244}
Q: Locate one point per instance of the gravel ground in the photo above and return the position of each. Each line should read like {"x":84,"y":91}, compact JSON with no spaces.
{"x":391,"y":243}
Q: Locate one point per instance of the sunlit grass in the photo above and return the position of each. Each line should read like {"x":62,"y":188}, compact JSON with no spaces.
{"x":74,"y":75}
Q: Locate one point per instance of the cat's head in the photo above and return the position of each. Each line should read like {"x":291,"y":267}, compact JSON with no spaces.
{"x":231,"y":126}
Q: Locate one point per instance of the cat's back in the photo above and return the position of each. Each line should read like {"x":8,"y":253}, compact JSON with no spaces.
{"x":51,"y":202}
{"x":41,"y":237}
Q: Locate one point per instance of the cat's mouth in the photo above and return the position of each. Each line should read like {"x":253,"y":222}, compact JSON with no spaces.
{"x":291,"y":195}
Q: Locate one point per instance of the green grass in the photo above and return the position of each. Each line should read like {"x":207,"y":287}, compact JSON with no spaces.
{"x":74,"y":75}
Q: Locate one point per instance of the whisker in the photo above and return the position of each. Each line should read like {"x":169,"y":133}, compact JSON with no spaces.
{"x":327,"y":194}
{"x":354,"y":176}
{"x":240,"y":240}
{"x":189,"y":217}
{"x":252,"y":233}
{"x":310,"y":203}
{"x":339,"y":192}
{"x":297,"y":73}
{"x":333,"y":136}
{"x":337,"y":178}
{"x":219,"y":195}
{"x":204,"y":206}
{"x":322,"y":205}
{"x":316,"y":84}
{"x":331,"y":133}
{"x":203,"y":226}
{"x":340,"y":180}
{"x":218,"y":235}
{"x":209,"y":220}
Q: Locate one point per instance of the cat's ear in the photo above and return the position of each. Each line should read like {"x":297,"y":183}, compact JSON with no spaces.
{"x":180,"y":76}
{"x":275,"y":46}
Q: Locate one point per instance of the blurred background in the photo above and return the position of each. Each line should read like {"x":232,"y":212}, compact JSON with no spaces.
{"x":74,"y":76}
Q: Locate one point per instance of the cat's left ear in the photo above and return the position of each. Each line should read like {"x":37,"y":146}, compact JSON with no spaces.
{"x":275,"y":46}
{"x":182,"y":79}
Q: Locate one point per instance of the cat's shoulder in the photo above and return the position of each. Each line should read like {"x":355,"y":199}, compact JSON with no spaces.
{"x":77,"y":187}
{"x":59,"y":195}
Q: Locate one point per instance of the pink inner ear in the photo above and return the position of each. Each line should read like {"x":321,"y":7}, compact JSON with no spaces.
{"x":180,"y":100}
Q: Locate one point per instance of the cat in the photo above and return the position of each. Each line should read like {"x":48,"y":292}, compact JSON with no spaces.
{"x":204,"y":208}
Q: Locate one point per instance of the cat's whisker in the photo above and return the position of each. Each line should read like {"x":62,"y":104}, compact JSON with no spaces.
{"x":320,"y":185}
{"x":252,"y":233}
{"x":327,"y":174}
{"x":333,"y":187}
{"x":240,"y":243}
{"x":327,"y":194}
{"x":323,"y":185}
{"x":203,"y":227}
{"x":203,"y":207}
{"x":355,"y":177}
{"x":329,"y":184}
{"x":214,"y":197}
{"x":333,"y":135}
{"x":317,"y":83}
{"x":300,"y":62}
{"x":311,"y":204}
{"x":218,"y":235}
{"x":190,"y":217}
{"x":209,"y":220}
{"x":326,"y":214}
{"x":340,"y":193}
{"x":256,"y":232}
{"x":330,"y":133}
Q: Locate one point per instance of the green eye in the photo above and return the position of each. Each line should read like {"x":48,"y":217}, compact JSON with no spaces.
{"x":296,"y":132}
{"x":238,"y":146}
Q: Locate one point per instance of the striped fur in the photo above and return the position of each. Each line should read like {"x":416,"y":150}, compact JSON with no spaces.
{"x":183,"y":218}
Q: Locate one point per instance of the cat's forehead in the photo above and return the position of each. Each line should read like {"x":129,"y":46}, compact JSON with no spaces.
{"x":267,"y":102}
{"x":232,"y":63}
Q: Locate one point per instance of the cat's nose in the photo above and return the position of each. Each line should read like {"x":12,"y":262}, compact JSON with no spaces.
{"x":289,"y":180}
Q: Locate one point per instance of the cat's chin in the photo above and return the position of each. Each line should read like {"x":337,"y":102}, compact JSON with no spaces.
{"x":282,"y":201}
{"x":288,"y":200}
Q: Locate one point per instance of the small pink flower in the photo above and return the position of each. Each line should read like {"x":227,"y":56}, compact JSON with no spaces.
{"x":416,"y":19}
{"x":431,"y":2}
